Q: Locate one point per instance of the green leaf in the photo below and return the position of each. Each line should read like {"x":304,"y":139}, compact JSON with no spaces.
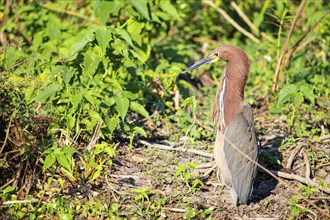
{"x":92,"y":59}
{"x":186,"y":102}
{"x":140,"y":131}
{"x":122,"y":105}
{"x":286,"y":93}
{"x":111,"y":123}
{"x":180,"y":169}
{"x":8,"y":189}
{"x":69,"y":150}
{"x":64,"y":161}
{"x":166,"y":6}
{"x":103,"y":37}
{"x":82,"y":40}
{"x":308,"y":93}
{"x":49,"y":161}
{"x":142,"y":7}
{"x":298,"y":99}
{"x":125,"y":36}
{"x":50,"y":90}
{"x":139,"y":109}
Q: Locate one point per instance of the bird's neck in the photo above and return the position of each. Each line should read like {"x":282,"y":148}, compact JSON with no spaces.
{"x":232,"y":86}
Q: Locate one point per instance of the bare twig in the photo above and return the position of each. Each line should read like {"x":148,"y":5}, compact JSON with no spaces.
{"x":19,"y":202}
{"x":232,"y":22}
{"x":207,"y":173}
{"x":176,"y":210}
{"x":182,"y":149}
{"x":299,"y":179}
{"x":292,"y":156}
{"x":244,"y":17}
{"x":7,"y":132}
{"x":72,"y":13}
{"x":95,"y":138}
{"x":279,"y":66}
{"x":307,"y":164}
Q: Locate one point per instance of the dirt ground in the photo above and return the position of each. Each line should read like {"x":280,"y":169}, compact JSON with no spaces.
{"x":156,"y":169}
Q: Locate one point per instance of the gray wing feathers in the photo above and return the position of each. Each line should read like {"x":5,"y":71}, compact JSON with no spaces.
{"x":242,"y":134}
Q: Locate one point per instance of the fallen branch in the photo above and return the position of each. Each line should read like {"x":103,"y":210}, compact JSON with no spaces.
{"x":19,"y":202}
{"x":292,"y":156}
{"x":307,"y":164}
{"x":299,"y":179}
{"x":165,"y":147}
{"x":95,"y":138}
{"x":232,"y":22}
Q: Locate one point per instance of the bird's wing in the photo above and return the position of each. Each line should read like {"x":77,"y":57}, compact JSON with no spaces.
{"x":241,"y":133}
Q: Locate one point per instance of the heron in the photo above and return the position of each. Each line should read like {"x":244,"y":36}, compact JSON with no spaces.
{"x":236,"y":146}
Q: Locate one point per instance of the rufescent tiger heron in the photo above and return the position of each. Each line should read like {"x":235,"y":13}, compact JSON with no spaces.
{"x":234,"y":123}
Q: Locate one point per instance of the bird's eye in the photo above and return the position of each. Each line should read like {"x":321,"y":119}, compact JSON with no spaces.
{"x":216,"y":54}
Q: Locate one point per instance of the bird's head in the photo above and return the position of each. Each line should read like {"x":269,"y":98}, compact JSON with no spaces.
{"x":224,"y":52}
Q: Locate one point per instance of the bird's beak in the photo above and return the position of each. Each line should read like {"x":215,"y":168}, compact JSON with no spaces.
{"x":209,"y":59}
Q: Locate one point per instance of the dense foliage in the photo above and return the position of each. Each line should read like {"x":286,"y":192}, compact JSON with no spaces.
{"x":82,"y":80}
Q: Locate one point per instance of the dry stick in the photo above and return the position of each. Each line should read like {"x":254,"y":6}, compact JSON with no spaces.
{"x":232,"y":22}
{"x":244,"y":17}
{"x":164,"y":147}
{"x":95,"y":138}
{"x":284,"y":50}
{"x":299,"y":179}
{"x":307,"y":164}
{"x":72,"y":13}
{"x":7,"y":133}
{"x":292,"y":156}
{"x":285,"y":175}
{"x":19,"y":202}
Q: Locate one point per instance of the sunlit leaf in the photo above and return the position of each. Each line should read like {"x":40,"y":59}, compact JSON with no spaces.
{"x":140,"y":131}
{"x":111,"y":123}
{"x":103,"y":37}
{"x":142,"y":7}
{"x":122,"y":105}
{"x":49,"y":161}
{"x":139,"y":109}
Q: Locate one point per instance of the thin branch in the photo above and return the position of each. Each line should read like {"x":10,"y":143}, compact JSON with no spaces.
{"x":72,"y":13}
{"x":19,"y":202}
{"x":7,"y":132}
{"x":299,"y":179}
{"x":232,"y":22}
{"x":244,"y":17}
{"x":292,"y":156}
{"x":164,"y":147}
{"x":307,"y":164}
{"x":279,"y":68}
{"x":95,"y":138}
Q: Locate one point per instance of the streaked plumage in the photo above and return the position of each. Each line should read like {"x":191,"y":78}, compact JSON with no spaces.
{"x":234,"y":122}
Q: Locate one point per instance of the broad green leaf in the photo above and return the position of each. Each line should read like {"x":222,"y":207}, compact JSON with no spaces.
{"x":103,"y":37}
{"x":64,"y":161}
{"x":49,"y":161}
{"x":286,"y":93}
{"x":71,"y":177}
{"x":69,"y":150}
{"x":50,"y":90}
{"x":298,"y":98}
{"x":70,"y":122}
{"x":166,"y":6}
{"x":112,"y":123}
{"x":82,"y":40}
{"x":180,"y":169}
{"x":125,"y":36}
{"x":92,"y":59}
{"x":308,"y":93}
{"x":122,"y":105}
{"x":95,"y":116}
{"x":142,"y":7}
{"x":11,"y":57}
{"x":8,"y":189}
{"x":139,"y":109}
{"x":76,"y":100}
{"x":140,"y":131}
